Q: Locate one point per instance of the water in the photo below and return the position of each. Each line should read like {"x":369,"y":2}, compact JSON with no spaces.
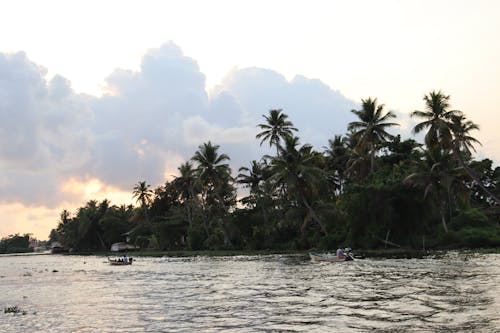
{"x":456,"y":293}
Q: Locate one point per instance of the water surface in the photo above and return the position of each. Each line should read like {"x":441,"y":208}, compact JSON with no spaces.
{"x":277,"y":293}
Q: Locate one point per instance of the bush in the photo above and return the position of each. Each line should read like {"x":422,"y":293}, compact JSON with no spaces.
{"x":470,"y":218}
{"x":196,"y":238}
{"x":471,"y":237}
{"x":479,"y":237}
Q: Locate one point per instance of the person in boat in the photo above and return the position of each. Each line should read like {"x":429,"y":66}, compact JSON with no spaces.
{"x":340,"y":254}
{"x":125,"y":259}
{"x":348,"y":254}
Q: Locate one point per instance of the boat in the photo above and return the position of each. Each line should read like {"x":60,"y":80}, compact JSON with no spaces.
{"x":328,"y":257}
{"x":120,"y":262}
{"x":123,"y":247}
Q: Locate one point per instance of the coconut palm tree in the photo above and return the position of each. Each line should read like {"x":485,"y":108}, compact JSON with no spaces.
{"x":437,"y":117}
{"x":214,"y":177}
{"x":462,"y":144}
{"x":337,"y":156}
{"x":449,"y":130}
{"x":186,"y":185}
{"x":211,"y":168}
{"x":251,"y":177}
{"x":296,"y":169}
{"x":436,"y":177}
{"x":89,"y":228}
{"x":276,"y":128}
{"x":370,"y":131}
{"x":143,"y":193}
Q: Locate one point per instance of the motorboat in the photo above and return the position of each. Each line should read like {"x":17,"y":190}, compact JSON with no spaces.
{"x":120,"y":261}
{"x":330,"y":257}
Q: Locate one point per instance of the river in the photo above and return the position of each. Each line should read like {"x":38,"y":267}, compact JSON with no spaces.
{"x":277,"y":293}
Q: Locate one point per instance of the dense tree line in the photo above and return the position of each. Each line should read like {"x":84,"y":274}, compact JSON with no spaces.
{"x":15,"y":244}
{"x":366,"y":189}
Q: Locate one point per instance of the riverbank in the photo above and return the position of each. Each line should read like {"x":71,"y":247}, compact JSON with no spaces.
{"x":366,"y":253}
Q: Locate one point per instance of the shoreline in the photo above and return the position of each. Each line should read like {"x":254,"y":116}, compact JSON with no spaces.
{"x":362,"y":253}
{"x":365,"y":253}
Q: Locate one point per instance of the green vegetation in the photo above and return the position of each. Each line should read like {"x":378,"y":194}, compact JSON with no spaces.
{"x":15,"y":244}
{"x":368,"y":190}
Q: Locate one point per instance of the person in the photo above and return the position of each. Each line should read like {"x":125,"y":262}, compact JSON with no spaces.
{"x":340,"y":253}
{"x":348,"y":254}
{"x":125,"y":258}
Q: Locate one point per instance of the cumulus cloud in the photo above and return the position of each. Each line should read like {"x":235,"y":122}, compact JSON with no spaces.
{"x":147,"y":123}
{"x":318,"y":111}
{"x":42,"y":131}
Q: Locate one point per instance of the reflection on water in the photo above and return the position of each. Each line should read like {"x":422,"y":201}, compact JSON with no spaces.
{"x":458,"y":293}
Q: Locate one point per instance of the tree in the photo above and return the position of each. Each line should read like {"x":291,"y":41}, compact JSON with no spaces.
{"x":186,"y":185}
{"x":214,"y":176}
{"x":437,"y":177}
{"x":337,"y":156}
{"x":462,"y":144}
{"x":370,"y":130}
{"x":255,"y":178}
{"x":295,"y":168}
{"x":143,"y":194}
{"x":448,"y":130}
{"x":437,"y":118}
{"x":276,"y":128}
{"x":251,"y":177}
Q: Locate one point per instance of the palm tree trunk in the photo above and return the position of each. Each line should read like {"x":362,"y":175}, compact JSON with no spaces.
{"x":443,"y":218}
{"x":314,"y":216}
{"x":387,"y":237}
{"x":372,"y":161}
{"x":227,"y":240}
{"x":204,"y":216}
{"x":264,"y":215}
{"x":473,"y":175}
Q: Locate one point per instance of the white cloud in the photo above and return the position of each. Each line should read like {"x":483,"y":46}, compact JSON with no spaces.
{"x":149,"y":122}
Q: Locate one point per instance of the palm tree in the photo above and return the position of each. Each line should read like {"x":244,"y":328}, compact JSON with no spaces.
{"x":186,"y":184}
{"x":143,"y":194}
{"x":437,"y":118}
{"x":337,"y":156}
{"x":255,"y":179}
{"x":449,"y":130}
{"x":276,"y":127}
{"x":436,"y":177}
{"x":462,"y":144}
{"x":89,"y":228}
{"x":251,"y":177}
{"x":370,"y":130}
{"x":296,"y":169}
{"x":214,"y":176}
{"x":211,"y":168}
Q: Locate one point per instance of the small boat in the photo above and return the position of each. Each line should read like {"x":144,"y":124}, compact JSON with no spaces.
{"x":120,"y":262}
{"x":328,"y":257}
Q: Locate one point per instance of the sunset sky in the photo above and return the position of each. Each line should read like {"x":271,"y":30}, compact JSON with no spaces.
{"x":98,"y":95}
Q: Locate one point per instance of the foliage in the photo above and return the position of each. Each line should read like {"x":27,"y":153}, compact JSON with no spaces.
{"x":15,"y":244}
{"x":367,"y":189}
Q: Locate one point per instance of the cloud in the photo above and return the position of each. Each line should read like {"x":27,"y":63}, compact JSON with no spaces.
{"x":144,"y":126}
{"x":318,"y":111}
{"x":42,"y":131}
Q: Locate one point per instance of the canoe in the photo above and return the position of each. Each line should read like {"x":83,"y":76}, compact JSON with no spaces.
{"x":326,"y":257}
{"x":116,"y":262}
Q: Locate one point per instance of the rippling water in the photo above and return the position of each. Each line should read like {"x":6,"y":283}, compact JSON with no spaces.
{"x":279,"y":293}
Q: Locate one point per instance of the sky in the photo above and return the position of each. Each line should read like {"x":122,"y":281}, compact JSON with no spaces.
{"x":98,"y":95}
